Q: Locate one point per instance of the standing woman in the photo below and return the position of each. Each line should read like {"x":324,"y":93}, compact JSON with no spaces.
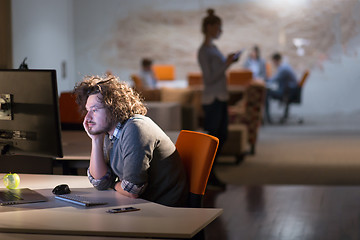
{"x":213,"y":65}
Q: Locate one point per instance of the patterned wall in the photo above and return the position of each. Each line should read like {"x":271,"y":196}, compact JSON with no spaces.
{"x":308,"y":32}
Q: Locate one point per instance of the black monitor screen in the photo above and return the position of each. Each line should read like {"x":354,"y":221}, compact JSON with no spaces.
{"x":29,"y":113}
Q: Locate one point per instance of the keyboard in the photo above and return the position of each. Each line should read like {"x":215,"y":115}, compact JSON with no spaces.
{"x":7,"y":196}
{"x":79,"y":200}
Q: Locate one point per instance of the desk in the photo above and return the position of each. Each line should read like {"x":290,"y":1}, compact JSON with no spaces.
{"x":77,"y":149}
{"x":234,"y":90}
{"x":165,"y":114}
{"x":178,"y":83}
{"x":22,"y":236}
{"x":57,"y":217}
{"x":76,"y":145}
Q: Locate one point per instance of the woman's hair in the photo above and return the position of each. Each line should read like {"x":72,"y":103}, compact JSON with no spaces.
{"x":121,"y":100}
{"x":210,"y":19}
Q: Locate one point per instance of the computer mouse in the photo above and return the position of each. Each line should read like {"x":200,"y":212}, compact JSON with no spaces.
{"x":61,"y":189}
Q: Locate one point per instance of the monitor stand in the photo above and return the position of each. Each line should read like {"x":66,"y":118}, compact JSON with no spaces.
{"x":4,"y":148}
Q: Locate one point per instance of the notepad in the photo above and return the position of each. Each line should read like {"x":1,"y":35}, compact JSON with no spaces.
{"x":20,"y":196}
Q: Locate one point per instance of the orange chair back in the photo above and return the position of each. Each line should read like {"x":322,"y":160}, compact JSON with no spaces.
{"x":194,"y":79}
{"x":137,"y":82}
{"x":268,"y":69}
{"x":69,"y":110}
{"x":164,"y":72}
{"x":240,"y":77}
{"x":197,"y":151}
{"x":303,"y":79}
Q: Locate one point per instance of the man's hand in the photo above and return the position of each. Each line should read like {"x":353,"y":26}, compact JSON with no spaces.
{"x":97,"y":167}
{"x":87,"y":127}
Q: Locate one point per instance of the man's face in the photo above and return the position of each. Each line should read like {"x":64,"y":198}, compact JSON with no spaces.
{"x":276,"y":62}
{"x":96,"y":119}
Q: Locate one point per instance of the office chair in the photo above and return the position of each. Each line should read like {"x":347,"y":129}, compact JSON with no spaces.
{"x":138,"y":85}
{"x":194,"y":79}
{"x":242,"y":77}
{"x":164,"y":72}
{"x":269,"y":70}
{"x":197,"y":151}
{"x":294,"y":97}
{"x":70,"y":116}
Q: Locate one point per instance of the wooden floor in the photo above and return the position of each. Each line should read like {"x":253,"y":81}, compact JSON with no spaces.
{"x":280,"y":212}
{"x":302,"y":184}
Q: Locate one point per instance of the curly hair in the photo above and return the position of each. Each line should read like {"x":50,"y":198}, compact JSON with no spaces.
{"x":121,"y":100}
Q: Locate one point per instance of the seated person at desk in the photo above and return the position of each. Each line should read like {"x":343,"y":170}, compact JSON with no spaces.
{"x":147,"y":75}
{"x":256,"y":64}
{"x":280,"y":85}
{"x":130,"y":153}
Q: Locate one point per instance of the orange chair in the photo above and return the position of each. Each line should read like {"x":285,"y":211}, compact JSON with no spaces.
{"x":269,"y":70}
{"x":240,"y":77}
{"x":197,"y":151}
{"x":69,"y":110}
{"x":304,"y":78}
{"x":164,"y":72}
{"x":194,"y":79}
{"x":295,"y":97}
{"x":138,"y":85}
{"x":149,"y":95}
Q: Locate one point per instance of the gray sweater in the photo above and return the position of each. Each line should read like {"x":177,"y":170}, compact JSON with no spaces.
{"x":213,"y":67}
{"x":144,"y":154}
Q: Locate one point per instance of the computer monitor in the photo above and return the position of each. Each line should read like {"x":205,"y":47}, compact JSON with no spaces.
{"x":29,"y":113}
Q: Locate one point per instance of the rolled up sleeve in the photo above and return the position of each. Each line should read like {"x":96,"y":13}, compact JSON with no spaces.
{"x":132,"y":188}
{"x":106,"y":182}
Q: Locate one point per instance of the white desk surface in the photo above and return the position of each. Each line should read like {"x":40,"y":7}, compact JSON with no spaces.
{"x":57,"y":217}
{"x":183,"y":83}
{"x":22,"y":236}
{"x":177,"y":83}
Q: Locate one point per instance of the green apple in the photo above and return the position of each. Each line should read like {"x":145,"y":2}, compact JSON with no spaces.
{"x":11,"y":180}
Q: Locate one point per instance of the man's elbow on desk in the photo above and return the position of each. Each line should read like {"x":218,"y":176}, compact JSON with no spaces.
{"x":120,"y":190}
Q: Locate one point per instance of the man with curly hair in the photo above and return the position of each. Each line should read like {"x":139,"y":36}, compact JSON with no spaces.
{"x":130,"y":153}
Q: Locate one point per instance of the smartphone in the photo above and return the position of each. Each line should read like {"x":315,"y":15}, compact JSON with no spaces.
{"x":121,"y":210}
{"x":238,"y":53}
